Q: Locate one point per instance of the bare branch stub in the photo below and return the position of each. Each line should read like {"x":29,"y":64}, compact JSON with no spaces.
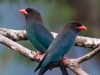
{"x":15,"y":35}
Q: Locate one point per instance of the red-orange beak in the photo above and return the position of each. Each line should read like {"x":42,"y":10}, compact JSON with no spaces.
{"x":82,"y":27}
{"x":23,"y":11}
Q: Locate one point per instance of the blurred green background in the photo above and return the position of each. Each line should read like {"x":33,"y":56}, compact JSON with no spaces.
{"x":55,"y":13}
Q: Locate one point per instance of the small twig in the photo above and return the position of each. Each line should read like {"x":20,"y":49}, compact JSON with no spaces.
{"x":88,"y":56}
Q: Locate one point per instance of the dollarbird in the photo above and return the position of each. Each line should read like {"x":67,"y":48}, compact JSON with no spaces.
{"x":37,"y":33}
{"x":61,"y":45}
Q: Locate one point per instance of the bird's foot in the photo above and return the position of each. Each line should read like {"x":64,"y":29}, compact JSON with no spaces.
{"x":38,"y":54}
{"x":64,"y":59}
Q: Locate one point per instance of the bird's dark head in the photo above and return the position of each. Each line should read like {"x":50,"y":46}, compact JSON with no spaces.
{"x":31,"y":15}
{"x":76,"y":26}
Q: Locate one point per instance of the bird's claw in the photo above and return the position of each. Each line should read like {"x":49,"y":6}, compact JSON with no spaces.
{"x":38,"y":54}
{"x":64,"y":59}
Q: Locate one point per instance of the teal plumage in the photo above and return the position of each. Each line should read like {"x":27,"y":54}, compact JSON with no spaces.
{"x":60,"y":46}
{"x":34,"y":33}
{"x":37,"y":33}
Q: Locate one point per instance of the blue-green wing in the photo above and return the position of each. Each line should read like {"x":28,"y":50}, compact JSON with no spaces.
{"x":43,"y":35}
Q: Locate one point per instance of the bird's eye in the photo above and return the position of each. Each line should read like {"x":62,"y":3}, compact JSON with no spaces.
{"x":75,"y":25}
{"x":29,"y":11}
{"x":32,"y":12}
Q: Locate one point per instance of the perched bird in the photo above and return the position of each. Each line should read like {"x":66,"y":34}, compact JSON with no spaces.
{"x":60,"y":46}
{"x":37,"y":33}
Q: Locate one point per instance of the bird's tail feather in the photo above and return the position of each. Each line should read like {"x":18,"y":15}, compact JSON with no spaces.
{"x":40,"y":64}
{"x":37,"y":68}
{"x":64,"y":70}
{"x":43,"y":70}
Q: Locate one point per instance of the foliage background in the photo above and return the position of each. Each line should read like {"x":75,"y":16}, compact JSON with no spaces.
{"x":55,"y":14}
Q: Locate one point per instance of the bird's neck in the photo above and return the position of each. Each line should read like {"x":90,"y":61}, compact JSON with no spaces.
{"x":32,"y":22}
{"x":74,"y":33}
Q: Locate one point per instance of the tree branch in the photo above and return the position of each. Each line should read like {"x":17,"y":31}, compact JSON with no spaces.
{"x":89,"y":55}
{"x":73,"y":64}
{"x":17,"y":35}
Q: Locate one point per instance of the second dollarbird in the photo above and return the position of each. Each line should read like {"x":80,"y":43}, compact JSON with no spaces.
{"x":37,"y":33}
{"x":60,"y":46}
